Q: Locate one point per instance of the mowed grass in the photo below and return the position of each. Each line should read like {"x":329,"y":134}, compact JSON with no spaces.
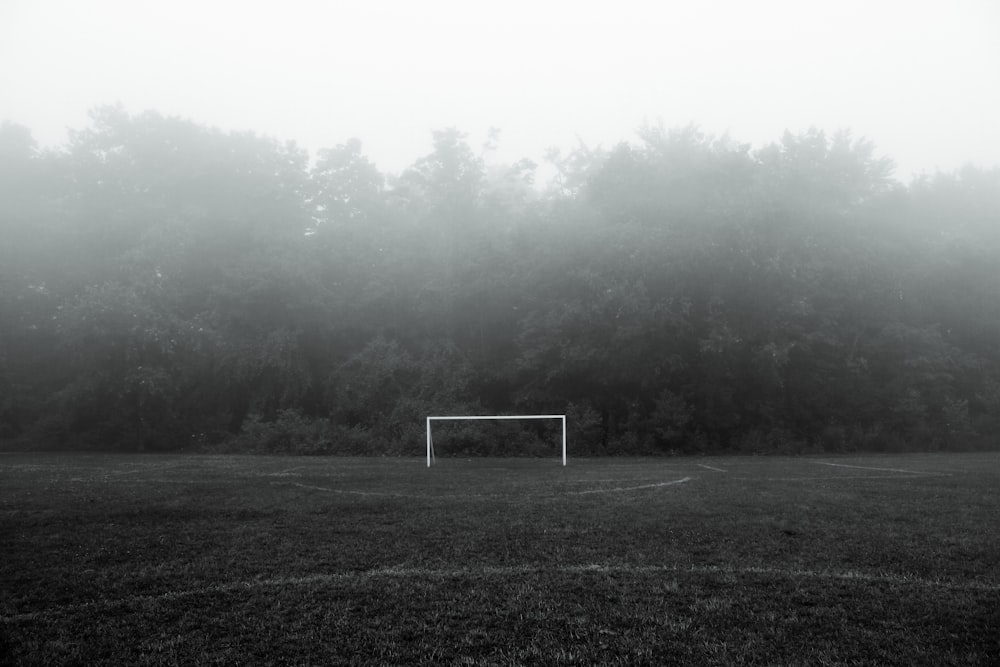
{"x":164,"y":560}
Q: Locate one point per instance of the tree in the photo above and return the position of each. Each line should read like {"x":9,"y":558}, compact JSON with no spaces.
{"x":809,"y":176}
{"x":347,"y":187}
{"x":122,"y":347}
{"x":447,"y":183}
{"x":160,"y":280}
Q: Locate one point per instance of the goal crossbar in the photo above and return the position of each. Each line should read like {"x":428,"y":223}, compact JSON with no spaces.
{"x":430,"y":442}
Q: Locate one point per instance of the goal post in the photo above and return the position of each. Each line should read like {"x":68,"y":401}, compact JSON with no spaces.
{"x":430,"y":420}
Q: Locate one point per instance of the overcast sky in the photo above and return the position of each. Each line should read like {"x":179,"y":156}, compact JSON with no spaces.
{"x":921,"y":79}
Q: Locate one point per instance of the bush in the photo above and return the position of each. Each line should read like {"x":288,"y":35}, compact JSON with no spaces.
{"x":583,"y":429}
{"x":772,"y":441}
{"x":833,"y":438}
{"x":631,"y":443}
{"x":671,"y":417}
{"x":288,"y":433}
{"x":357,"y":441}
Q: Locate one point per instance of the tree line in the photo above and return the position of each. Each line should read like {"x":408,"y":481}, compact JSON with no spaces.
{"x":169,"y":286}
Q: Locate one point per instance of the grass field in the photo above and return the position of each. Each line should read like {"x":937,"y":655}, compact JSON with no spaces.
{"x":165,"y":560}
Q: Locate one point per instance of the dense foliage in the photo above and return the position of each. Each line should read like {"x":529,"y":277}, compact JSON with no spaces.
{"x":164,"y":285}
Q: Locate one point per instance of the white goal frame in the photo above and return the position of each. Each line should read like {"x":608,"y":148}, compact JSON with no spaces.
{"x":430,"y":442}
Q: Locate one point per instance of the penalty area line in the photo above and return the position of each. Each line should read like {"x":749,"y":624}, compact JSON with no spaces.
{"x":909,"y":472}
{"x":632,"y":488}
{"x":387,"y":494}
{"x":348,"y":492}
{"x":402,"y":572}
{"x":834,"y":478}
{"x":382,"y":494}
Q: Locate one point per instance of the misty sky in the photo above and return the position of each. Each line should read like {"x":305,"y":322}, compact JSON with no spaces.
{"x":921,"y":79}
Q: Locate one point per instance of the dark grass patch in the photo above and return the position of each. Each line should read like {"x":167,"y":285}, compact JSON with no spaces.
{"x":268,"y":560}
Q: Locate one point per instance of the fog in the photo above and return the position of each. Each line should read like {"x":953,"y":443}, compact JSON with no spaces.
{"x":918,"y":78}
{"x":728,"y":252}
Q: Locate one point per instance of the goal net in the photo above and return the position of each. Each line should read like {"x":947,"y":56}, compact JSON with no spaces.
{"x":431,"y":420}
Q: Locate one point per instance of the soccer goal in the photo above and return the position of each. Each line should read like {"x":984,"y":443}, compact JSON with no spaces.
{"x":431,"y":420}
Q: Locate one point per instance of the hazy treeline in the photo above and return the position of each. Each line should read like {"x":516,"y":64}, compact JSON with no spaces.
{"x":164,"y":285}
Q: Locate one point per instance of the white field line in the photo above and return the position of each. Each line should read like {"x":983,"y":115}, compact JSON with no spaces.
{"x":702,"y":465}
{"x":290,"y":472}
{"x":909,"y":472}
{"x":609,"y":479}
{"x":632,"y":488}
{"x":401,"y":572}
{"x":354,"y":493}
{"x":836,"y":478}
{"x":160,"y":480}
{"x":386,"y":494}
{"x":141,"y":467}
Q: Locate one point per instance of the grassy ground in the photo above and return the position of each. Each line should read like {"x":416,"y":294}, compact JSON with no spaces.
{"x":252,"y":560}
